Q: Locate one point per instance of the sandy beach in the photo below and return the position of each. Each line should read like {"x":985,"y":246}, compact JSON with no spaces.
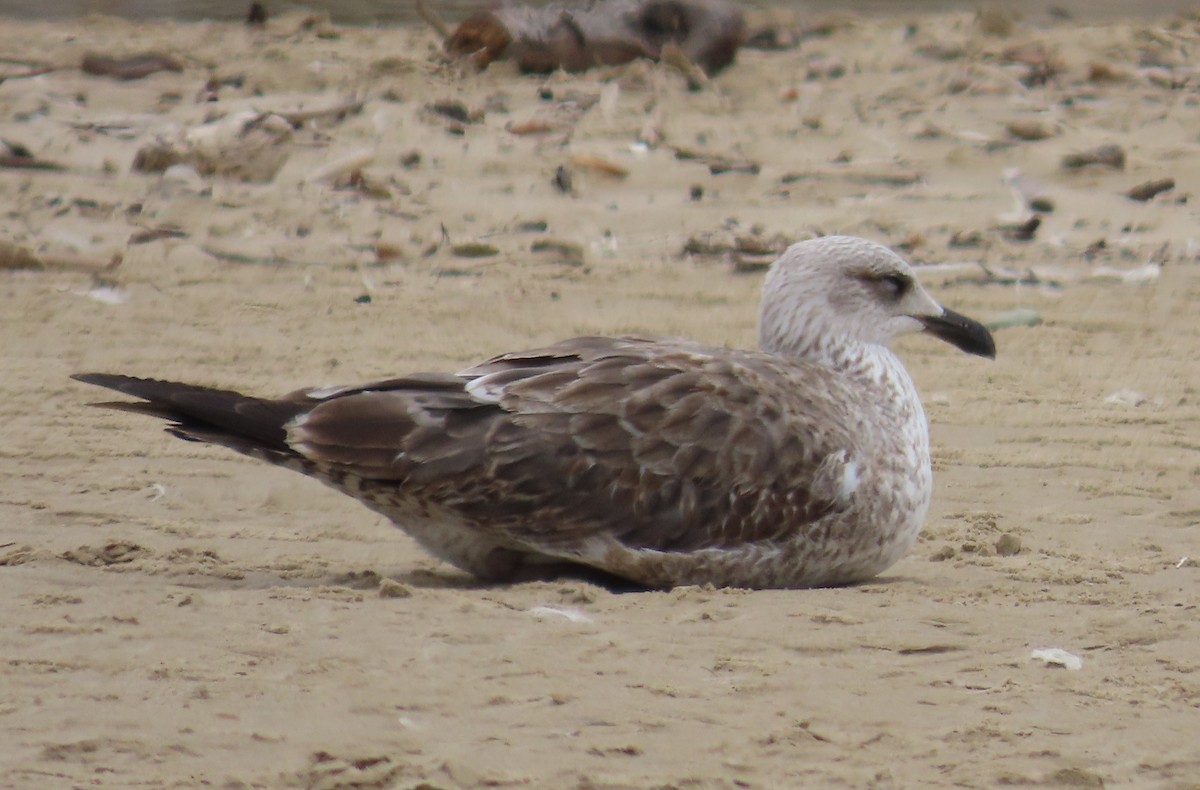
{"x":178,"y":616}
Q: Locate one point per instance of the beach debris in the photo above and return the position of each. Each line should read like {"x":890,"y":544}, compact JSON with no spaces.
{"x":320,"y":24}
{"x":1021,"y":316}
{"x":777,"y":28}
{"x":387,"y":251}
{"x":1100,"y":72}
{"x":134,"y":67}
{"x":824,"y":67}
{"x":1057,"y":657}
{"x":883,"y":177}
{"x":568,"y":613}
{"x":1138,"y":275}
{"x":718,"y":164}
{"x":1041,"y":64}
{"x":534,"y":126}
{"x":1028,"y":195}
{"x":342,"y":167}
{"x":105,"y":294}
{"x":454,"y":110}
{"x":1131,"y":397}
{"x":749,"y":252}
{"x":577,"y":36}
{"x":156,"y":157}
{"x":1169,"y":78}
{"x":1021,"y":231}
{"x":963,"y":239}
{"x":17,"y":156}
{"x":599,"y":165}
{"x":249,"y":146}
{"x":474,"y":249}
{"x":147,"y":235}
{"x":756,"y":252}
{"x":13,"y":256}
{"x":338,"y":110}
{"x":1148,"y":189}
{"x":1103,"y":156}
{"x":1028,"y":129}
{"x":564,"y":252}
{"x":562,"y":180}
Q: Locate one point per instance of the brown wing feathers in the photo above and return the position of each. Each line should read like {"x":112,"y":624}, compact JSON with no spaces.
{"x":655,"y":448}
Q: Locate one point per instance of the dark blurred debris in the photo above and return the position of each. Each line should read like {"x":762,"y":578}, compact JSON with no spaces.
{"x":257,"y":15}
{"x":474,"y":249}
{"x":13,"y":256}
{"x":565,"y":252}
{"x":718,"y":164}
{"x":454,"y":110}
{"x":18,"y":157}
{"x":1147,"y":190}
{"x":581,"y":35}
{"x":1022,"y":231}
{"x":1104,"y":156}
{"x":134,"y":67}
{"x":147,"y":235}
{"x":563,"y":181}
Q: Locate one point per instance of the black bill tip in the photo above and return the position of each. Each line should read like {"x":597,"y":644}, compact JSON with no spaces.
{"x":963,"y":333}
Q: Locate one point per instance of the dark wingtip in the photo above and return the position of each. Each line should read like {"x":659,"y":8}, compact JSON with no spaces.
{"x":112,"y":381}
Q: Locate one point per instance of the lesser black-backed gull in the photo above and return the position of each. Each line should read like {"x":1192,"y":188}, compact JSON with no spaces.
{"x":659,"y":461}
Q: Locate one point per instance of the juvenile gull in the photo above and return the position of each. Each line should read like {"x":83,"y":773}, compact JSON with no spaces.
{"x":660,"y":462}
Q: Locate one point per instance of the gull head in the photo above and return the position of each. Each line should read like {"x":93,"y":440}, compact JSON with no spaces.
{"x":841,"y":291}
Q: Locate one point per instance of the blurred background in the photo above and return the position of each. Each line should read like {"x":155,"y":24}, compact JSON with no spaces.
{"x":363,"y":12}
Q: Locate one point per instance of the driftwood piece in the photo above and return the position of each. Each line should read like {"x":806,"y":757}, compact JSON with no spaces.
{"x":578,"y":36}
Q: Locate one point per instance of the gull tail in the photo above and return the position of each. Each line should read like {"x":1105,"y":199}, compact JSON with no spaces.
{"x":254,"y":426}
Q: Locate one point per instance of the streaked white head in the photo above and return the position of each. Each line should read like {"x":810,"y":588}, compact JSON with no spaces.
{"x":835,"y":292}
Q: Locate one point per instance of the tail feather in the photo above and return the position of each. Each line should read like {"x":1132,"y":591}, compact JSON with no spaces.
{"x":223,"y":417}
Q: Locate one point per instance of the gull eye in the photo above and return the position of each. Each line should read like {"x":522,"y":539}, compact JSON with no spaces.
{"x":896,"y":285}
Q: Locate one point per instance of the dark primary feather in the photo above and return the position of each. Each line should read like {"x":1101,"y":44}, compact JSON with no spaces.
{"x":666,"y":444}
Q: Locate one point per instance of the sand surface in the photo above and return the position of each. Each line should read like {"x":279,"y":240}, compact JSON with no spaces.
{"x":178,"y":616}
